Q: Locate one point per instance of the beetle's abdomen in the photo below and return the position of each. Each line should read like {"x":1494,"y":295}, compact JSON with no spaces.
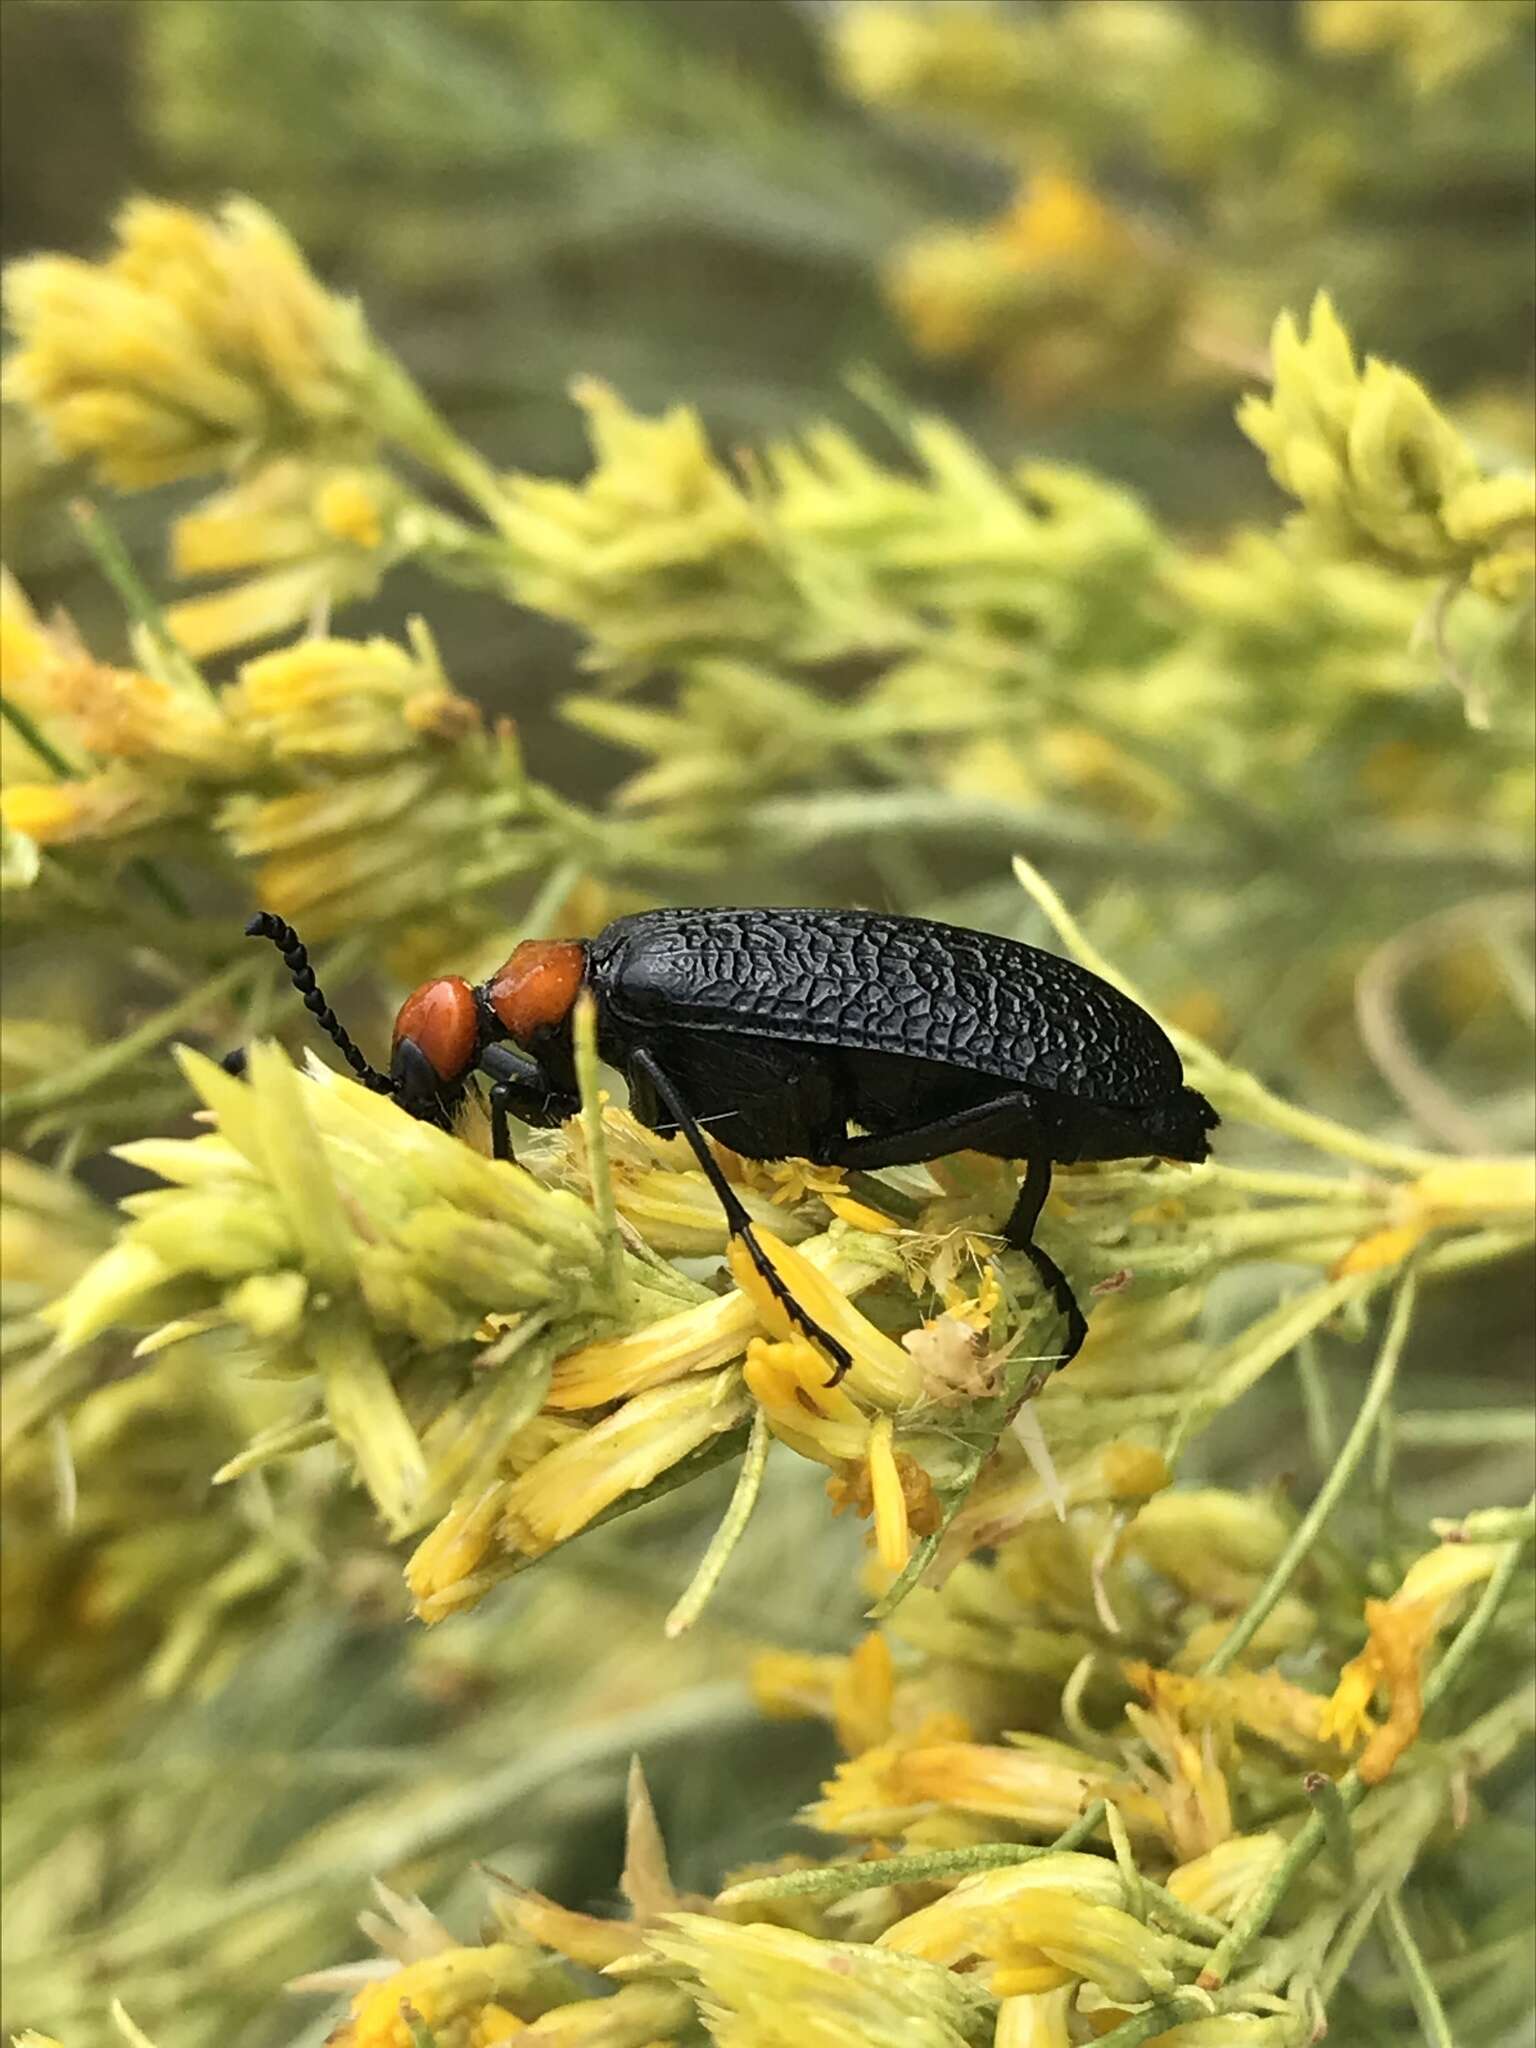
{"x":892,"y":984}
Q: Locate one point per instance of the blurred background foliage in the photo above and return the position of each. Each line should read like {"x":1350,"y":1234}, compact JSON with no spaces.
{"x":1063,"y":230}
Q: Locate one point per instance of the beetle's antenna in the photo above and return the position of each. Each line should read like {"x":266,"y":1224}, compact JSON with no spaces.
{"x":264,"y":925}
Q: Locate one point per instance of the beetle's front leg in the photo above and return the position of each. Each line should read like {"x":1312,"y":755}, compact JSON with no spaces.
{"x":645,"y":1070}
{"x":521,"y":1088}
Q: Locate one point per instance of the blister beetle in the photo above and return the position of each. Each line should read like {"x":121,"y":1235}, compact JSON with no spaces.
{"x":844,"y":1037}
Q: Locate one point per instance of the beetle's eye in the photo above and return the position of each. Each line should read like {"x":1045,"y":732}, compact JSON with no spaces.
{"x":416,"y":1086}
{"x":440,"y":1020}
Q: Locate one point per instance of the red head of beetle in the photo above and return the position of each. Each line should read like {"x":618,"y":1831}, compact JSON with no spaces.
{"x":442,"y":1026}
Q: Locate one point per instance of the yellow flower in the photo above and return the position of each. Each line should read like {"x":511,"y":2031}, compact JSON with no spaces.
{"x":1434,"y":42}
{"x":893,"y":1488}
{"x":1060,"y":292}
{"x":882,"y":1371}
{"x":1377,"y":469}
{"x":349,"y":700}
{"x":317,"y":536}
{"x":965,"y":58}
{"x":659,"y":548}
{"x":1037,"y":1784}
{"x":25,"y":643}
{"x":855,"y":1692}
{"x":893,"y":1539}
{"x":393,"y":791}
{"x":645,"y":1437}
{"x":443,"y":1573}
{"x":1057,"y":220}
{"x":199,"y":343}
{"x":759,"y":1986}
{"x":864,"y":1796}
{"x":94,"y":807}
{"x":694,"y":1340}
{"x":1262,"y":1702}
{"x":1193,"y":1791}
{"x":1488,"y":1192}
{"x":169,"y":733}
{"x":1224,"y":1879}
{"x":971,"y":1917}
{"x":1047,"y":1937}
{"x":1038,"y":2019}
{"x":1401,"y":1631}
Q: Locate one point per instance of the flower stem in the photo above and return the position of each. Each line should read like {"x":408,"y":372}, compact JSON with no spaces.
{"x":1421,"y":1988}
{"x":831,"y":1881}
{"x":729,"y":1533}
{"x":117,"y":565}
{"x":122,"y":1052}
{"x":1263,"y":1603}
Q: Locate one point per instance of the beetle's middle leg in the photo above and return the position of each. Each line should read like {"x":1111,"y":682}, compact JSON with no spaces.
{"x":1010,"y":1126}
{"x":738,"y":1222}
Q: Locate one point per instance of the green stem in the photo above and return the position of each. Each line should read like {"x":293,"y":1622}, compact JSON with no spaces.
{"x":407,"y":418}
{"x":1347,"y":1946}
{"x":1457,"y":1428}
{"x":1421,"y":1988}
{"x":122,"y":1052}
{"x":1156,"y":2019}
{"x":729,"y":1533}
{"x":1476,"y":1626}
{"x":22,"y":725}
{"x":1263,"y":1603}
{"x":116,"y":564}
{"x":1324,"y":1795}
{"x":1304,"y":1846}
{"x":842,"y":1880}
{"x":1317,"y":1403}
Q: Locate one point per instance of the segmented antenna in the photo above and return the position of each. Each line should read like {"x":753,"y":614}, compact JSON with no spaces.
{"x":296,"y":959}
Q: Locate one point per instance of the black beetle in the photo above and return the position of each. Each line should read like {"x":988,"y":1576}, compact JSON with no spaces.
{"x":844,"y":1037}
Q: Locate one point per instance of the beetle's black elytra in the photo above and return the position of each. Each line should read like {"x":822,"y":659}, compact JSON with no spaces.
{"x":844,"y":1037}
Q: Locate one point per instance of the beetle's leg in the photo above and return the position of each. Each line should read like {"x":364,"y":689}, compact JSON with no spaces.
{"x":520,"y":1086}
{"x":1007,"y":1125}
{"x":1019,"y":1230}
{"x":738,"y":1222}
{"x":1010,"y":1124}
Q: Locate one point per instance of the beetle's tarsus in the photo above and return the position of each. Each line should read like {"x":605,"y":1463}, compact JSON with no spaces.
{"x":840,"y":1355}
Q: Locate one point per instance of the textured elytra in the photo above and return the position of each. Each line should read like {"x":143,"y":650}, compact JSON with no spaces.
{"x":864,"y":980}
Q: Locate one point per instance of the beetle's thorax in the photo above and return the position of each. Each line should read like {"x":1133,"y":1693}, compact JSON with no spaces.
{"x":531,"y":995}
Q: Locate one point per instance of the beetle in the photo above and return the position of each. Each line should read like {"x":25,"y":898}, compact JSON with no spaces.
{"x":845,"y":1037}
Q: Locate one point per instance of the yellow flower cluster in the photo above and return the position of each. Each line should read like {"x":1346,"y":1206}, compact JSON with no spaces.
{"x":199,"y":345}
{"x":1434,"y":42}
{"x":352,"y":775}
{"x":1061,"y":297}
{"x":1381,"y":474}
{"x":1031,"y":1865}
{"x":316,"y":536}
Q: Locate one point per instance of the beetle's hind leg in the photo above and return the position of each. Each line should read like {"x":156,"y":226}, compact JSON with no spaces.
{"x":1019,"y":1231}
{"x":738,"y":1222}
{"x":1009,"y":1126}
